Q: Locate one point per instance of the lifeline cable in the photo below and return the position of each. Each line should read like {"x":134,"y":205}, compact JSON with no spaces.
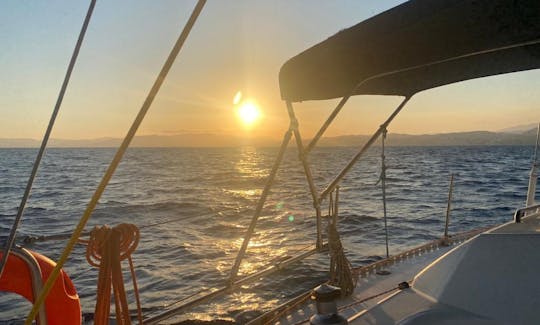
{"x":20,"y":211}
{"x":383,"y":186}
{"x":116,"y":161}
{"x":30,"y":239}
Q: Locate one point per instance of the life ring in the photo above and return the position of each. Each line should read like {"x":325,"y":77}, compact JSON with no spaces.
{"x":62,"y":305}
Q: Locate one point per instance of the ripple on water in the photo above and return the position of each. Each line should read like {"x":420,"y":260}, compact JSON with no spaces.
{"x":194,"y":206}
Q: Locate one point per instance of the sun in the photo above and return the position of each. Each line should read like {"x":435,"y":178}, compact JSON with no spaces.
{"x":248,"y":112}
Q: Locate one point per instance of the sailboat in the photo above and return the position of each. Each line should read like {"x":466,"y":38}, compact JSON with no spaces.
{"x":478,"y":277}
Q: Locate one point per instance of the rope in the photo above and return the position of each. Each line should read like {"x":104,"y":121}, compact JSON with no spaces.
{"x":26,"y":195}
{"x":106,"y":249}
{"x":341,"y":274}
{"x":116,"y":160}
{"x":340,"y":268}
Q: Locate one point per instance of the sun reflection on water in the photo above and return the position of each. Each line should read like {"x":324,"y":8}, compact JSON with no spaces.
{"x":270,"y":244}
{"x":251,"y":163}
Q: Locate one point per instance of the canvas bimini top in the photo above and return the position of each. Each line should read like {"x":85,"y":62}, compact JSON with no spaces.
{"x":418,"y":45}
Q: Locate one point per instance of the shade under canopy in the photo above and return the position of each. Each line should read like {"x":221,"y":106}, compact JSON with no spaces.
{"x":418,"y":45}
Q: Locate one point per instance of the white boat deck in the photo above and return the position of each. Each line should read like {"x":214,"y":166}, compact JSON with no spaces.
{"x":491,"y":279}
{"x":437,"y":289}
{"x":371,"y":282}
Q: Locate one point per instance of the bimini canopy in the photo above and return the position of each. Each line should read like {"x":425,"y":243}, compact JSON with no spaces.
{"x":418,"y":45}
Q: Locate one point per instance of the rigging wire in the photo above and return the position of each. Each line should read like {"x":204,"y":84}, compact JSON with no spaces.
{"x":382,"y":180}
{"x":20,"y":211}
{"x":383,"y":186}
{"x":116,"y":160}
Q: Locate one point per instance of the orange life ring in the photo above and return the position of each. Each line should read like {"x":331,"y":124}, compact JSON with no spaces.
{"x":62,"y":305}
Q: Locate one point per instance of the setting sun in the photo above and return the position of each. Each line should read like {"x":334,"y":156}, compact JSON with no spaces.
{"x":248,"y":112}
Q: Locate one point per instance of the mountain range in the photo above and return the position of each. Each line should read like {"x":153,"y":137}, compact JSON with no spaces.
{"x":511,"y":136}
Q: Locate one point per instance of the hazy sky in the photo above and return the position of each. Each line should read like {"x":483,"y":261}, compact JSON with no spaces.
{"x":234,"y":46}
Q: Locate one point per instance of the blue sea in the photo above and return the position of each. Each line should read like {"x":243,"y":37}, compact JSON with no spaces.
{"x":207,"y":197}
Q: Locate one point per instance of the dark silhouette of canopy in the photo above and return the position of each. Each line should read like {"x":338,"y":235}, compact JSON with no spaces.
{"x":418,"y":45}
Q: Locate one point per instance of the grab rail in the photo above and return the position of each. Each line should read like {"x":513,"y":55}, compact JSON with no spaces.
{"x":36,"y":278}
{"x":524,"y":212}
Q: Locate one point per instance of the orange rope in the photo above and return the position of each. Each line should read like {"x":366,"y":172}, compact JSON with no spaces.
{"x":106,"y":249}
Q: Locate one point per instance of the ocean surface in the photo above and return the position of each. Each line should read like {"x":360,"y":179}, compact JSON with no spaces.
{"x":207,"y":197}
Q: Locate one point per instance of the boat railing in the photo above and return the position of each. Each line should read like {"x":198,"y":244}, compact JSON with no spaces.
{"x":526,"y":212}
{"x":36,"y":277}
{"x":533,"y":175}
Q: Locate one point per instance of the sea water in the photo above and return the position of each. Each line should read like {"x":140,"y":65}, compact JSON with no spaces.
{"x":194,"y":205}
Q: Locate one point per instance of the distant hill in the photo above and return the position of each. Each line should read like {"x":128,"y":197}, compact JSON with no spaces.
{"x":521,"y":128}
{"x":181,"y":140}
{"x":476,"y":138}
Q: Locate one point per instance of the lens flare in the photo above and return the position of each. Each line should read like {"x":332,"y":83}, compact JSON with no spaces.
{"x":237,"y":98}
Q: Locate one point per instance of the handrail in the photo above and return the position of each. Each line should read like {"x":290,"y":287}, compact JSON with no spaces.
{"x":36,"y":277}
{"x":525,"y":212}
{"x":533,"y":176}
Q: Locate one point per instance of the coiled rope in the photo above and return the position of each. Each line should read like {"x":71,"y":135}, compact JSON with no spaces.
{"x":106,"y":249}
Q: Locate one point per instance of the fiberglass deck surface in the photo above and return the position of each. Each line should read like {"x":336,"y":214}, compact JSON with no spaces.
{"x":488,"y":280}
{"x":372,"y":284}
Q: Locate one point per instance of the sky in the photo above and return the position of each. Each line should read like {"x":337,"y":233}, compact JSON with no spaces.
{"x":234,"y":46}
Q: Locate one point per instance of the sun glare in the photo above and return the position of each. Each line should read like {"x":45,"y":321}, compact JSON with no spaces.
{"x":248,"y":112}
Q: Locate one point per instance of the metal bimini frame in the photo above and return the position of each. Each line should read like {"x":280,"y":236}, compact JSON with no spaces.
{"x":293,"y":130}
{"x":304,"y":152}
{"x":318,"y":198}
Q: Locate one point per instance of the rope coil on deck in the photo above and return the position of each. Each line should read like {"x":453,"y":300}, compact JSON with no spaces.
{"x":106,"y":249}
{"x":341,"y":274}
